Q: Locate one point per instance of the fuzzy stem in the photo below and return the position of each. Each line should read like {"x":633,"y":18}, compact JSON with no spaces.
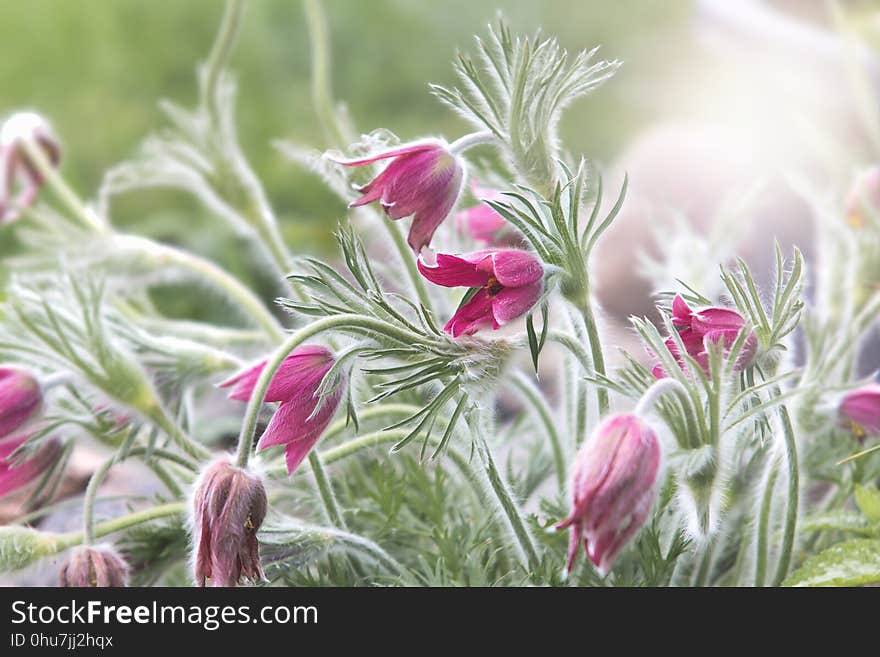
{"x":471,"y":140}
{"x":764,"y":526}
{"x":322,"y":94}
{"x":409,"y":261}
{"x":247,"y":301}
{"x":249,"y":425}
{"x":656,"y":391}
{"x":519,"y":532}
{"x":530,"y":394}
{"x":370,"y":549}
{"x":331,"y":507}
{"x":223,"y":44}
{"x":791,"y":511}
{"x":161,"y":419}
{"x":123,"y":522}
{"x":585,"y":307}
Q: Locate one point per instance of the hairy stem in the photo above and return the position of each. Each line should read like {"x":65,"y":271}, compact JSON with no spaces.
{"x":322,"y":94}
{"x":531,"y":395}
{"x":223,"y":44}
{"x":791,"y":510}
{"x":123,"y":522}
{"x":763,"y":526}
{"x":331,"y":506}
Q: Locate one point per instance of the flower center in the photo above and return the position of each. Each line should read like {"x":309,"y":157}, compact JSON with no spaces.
{"x":493,"y":287}
{"x":857,"y":429}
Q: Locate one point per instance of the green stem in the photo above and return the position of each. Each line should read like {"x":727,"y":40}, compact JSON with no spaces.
{"x":370,"y":549}
{"x":531,"y":395}
{"x":249,"y":425}
{"x":331,"y":507}
{"x":246,"y":300}
{"x":222,"y":47}
{"x":764,"y":527}
{"x":519,"y":532}
{"x":409,"y":261}
{"x":586,"y":309}
{"x":322,"y":94}
{"x":160,"y":418}
{"x":791,"y":511}
{"x":123,"y":522}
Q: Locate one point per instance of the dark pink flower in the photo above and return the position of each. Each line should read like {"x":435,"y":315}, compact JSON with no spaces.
{"x":229,"y":506}
{"x":484,"y":224}
{"x":612,"y":489}
{"x":859,"y":411}
{"x":16,"y":473}
{"x":16,"y":169}
{"x":510,"y":282}
{"x":301,"y":417}
{"x":94,"y":566}
{"x":695,"y":328}
{"x":423,"y":179}
{"x":20,"y":398}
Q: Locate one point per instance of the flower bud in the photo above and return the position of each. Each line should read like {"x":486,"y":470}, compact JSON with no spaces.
{"x":17,"y":473}
{"x":17,"y":171}
{"x":510,"y":282}
{"x":90,"y":566}
{"x":229,"y":506}
{"x":20,"y":398}
{"x":423,"y":179}
{"x":859,"y":411}
{"x":302,"y":415}
{"x":484,"y":224}
{"x":612,"y":489}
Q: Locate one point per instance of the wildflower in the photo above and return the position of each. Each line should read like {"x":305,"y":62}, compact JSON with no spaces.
{"x":16,"y":169}
{"x":20,"y":398}
{"x":423,"y":179}
{"x":94,"y":566}
{"x":715,"y":324}
{"x":16,"y":473}
{"x":302,"y":416}
{"x":484,"y":224}
{"x":229,"y":506}
{"x":863,"y":200}
{"x":612,"y":489}
{"x":859,"y":411}
{"x":509,"y":283}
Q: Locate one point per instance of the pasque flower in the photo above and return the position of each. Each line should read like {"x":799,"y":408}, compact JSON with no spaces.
{"x":695,"y":328}
{"x":484,"y":224}
{"x":859,"y":411}
{"x":612,"y":489}
{"x":510,"y":282}
{"x":302,"y":416}
{"x":16,"y":169}
{"x":229,"y":505}
{"x":20,"y":398}
{"x":94,"y":566}
{"x":18,"y":472}
{"x":423,"y":179}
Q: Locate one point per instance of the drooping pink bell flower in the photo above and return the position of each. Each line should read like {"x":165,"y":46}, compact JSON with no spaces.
{"x":301,"y":417}
{"x":510,"y":282}
{"x":229,"y":505}
{"x":15,"y":473}
{"x":90,"y":566}
{"x":612,"y":488}
{"x":17,"y":172}
{"x":863,"y":199}
{"x":484,"y":224}
{"x":20,"y":398}
{"x":859,"y":411}
{"x":696,"y":328}
{"x":423,"y":179}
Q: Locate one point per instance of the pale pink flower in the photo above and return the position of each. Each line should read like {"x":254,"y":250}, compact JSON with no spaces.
{"x":510,"y":282}
{"x":612,"y":489}
{"x":484,"y":224}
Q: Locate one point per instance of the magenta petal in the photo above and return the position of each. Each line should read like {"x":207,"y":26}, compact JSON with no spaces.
{"x":296,"y":452}
{"x":243,"y":383}
{"x":513,"y":302}
{"x":515,"y":267}
{"x":472,"y":316}
{"x":681,"y":312}
{"x":717,"y":319}
{"x":414,"y":147}
{"x":300,"y":373}
{"x":456,"y":271}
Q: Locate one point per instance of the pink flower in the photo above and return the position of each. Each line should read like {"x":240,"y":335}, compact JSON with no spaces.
{"x":860,"y":411}
{"x":612,"y":489}
{"x":16,"y":169}
{"x":423,"y":179}
{"x":485,"y":225}
{"x":16,"y":473}
{"x":20,"y":398}
{"x":301,"y":417}
{"x":713,"y":324}
{"x":510,"y":282}
{"x":229,"y":506}
{"x":94,"y":566}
